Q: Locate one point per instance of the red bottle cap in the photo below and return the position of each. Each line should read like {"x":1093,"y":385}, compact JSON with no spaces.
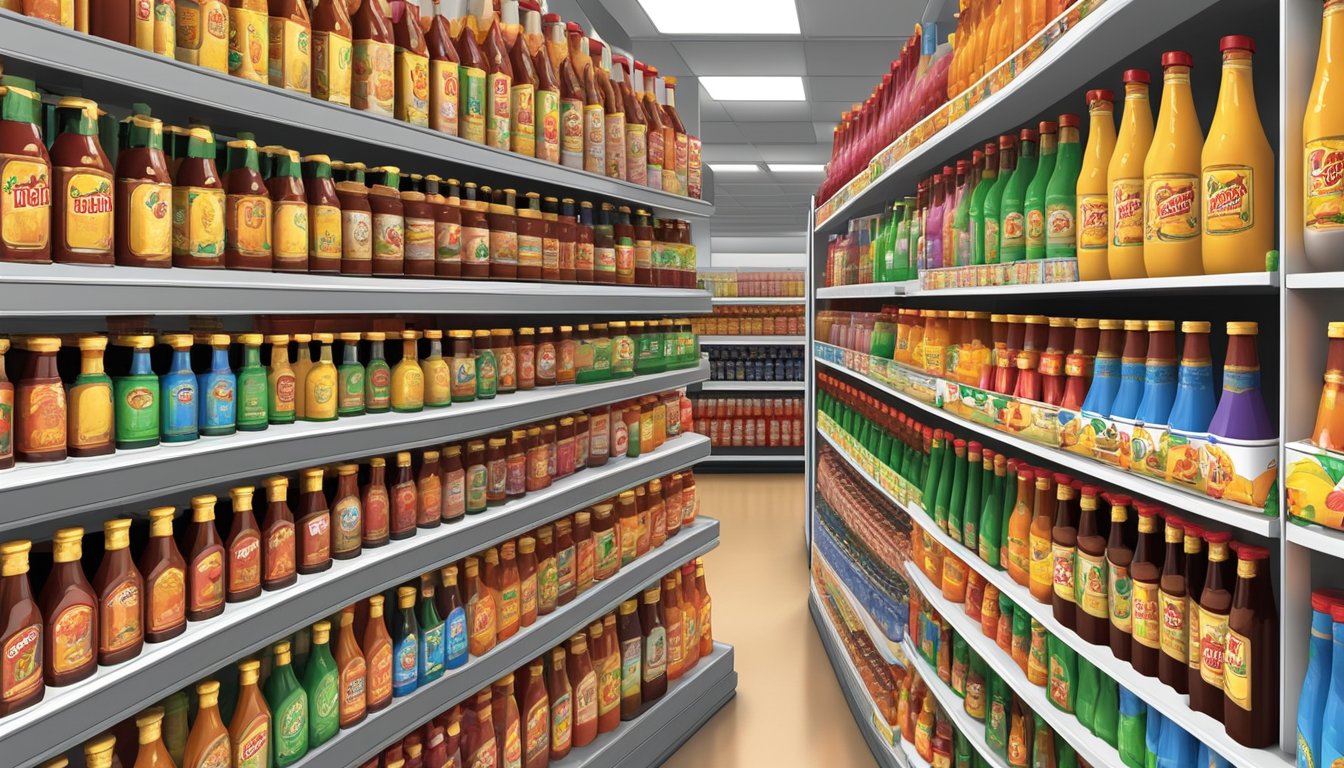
{"x":573,"y":28}
{"x":1091,"y":490}
{"x":1026,"y":473}
{"x":959,"y":444}
{"x":1117,"y":498}
{"x":1217,"y":537}
{"x":948,"y":170}
{"x":1049,"y":126}
{"x":1337,"y":613}
{"x":1177,"y":59}
{"x":1137,"y":76}
{"x":1174,"y":521}
{"x":1237,"y":43}
{"x":963,"y":166}
{"x":1248,"y":552}
{"x":1069,"y":120}
{"x":977,"y":156}
{"x":1324,"y":600}
{"x":975,"y":446}
{"x":1007,"y":141}
{"x":991,"y":148}
{"x":1194,"y":529}
{"x":1062,"y":479}
{"x":1028,"y":134}
{"x":551,"y":18}
{"x":1100,"y":94}
{"x":1146,"y":509}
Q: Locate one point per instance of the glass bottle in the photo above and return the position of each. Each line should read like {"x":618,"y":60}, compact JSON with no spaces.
{"x":1061,"y":203}
{"x":1092,"y":221}
{"x":152,"y":753}
{"x":378,"y":658}
{"x":165,"y":579}
{"x":631,"y":635}
{"x":136,"y":394}
{"x":1034,"y":202}
{"x":1124,"y":180}
{"x":218,"y":391}
{"x":1251,"y":701}
{"x":347,"y":513}
{"x":527,"y":580}
{"x":1328,"y":432}
{"x":1119,"y":588}
{"x":288,"y":703}
{"x":352,"y":670}
{"x":437,"y":374}
{"x":322,"y":681}
{"x":1171,"y":243}
{"x":120,"y":594}
{"x":482,"y":615}
{"x":304,"y":364}
{"x":206,"y":562}
{"x":251,"y":386}
{"x":208,"y":744}
{"x":1145,"y":575}
{"x":313,"y":525}
{"x":250,"y":725}
{"x":320,"y":383}
{"x":279,"y":545}
{"x":448,"y":603}
{"x":377,"y":376}
{"x":350,"y":385}
{"x":405,"y":644}
{"x":508,"y":725}
{"x":70,"y":606}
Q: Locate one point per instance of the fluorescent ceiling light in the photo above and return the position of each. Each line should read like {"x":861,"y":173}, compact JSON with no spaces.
{"x":737,"y":88}
{"x":716,"y":17}
{"x":734,"y":167}
{"x":796,"y":167}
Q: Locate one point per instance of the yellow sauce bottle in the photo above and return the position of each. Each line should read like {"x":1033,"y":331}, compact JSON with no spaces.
{"x":1124,"y":180}
{"x":438,"y":374}
{"x":1093,"y":216}
{"x":90,"y":402}
{"x":408,"y":381}
{"x":203,"y":33}
{"x":301,"y":368}
{"x":320,"y":384}
{"x":1171,"y":212}
{"x":249,"y":40}
{"x":1323,"y":149}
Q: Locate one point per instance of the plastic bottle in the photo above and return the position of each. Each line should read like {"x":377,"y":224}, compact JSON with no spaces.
{"x":405,"y":644}
{"x":1034,"y":203}
{"x":1316,"y":684}
{"x":994,"y":197}
{"x":1131,"y":730}
{"x":1171,"y":243}
{"x":977,"y":208}
{"x":288,"y":703}
{"x":322,"y":681}
{"x":1323,"y":154}
{"x":1132,"y":371}
{"x":1093,"y":218}
{"x":1013,"y":226}
{"x":1061,"y":204}
{"x":1124,"y":180}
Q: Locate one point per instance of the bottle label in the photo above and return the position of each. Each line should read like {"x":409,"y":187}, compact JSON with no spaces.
{"x":432,"y":649}
{"x":325,"y":224}
{"x":604,"y":260}
{"x":1173,"y":632}
{"x":198,"y":223}
{"x":497,"y":123}
{"x":326,"y":701}
{"x":219,"y":407}
{"x":1238,"y":379}
{"x":1193,"y":633}
{"x":352,"y":690}
{"x":72,"y":638}
{"x":207,"y":580}
{"x":1324,"y":161}
{"x":1145,"y":616}
{"x":347,"y":517}
{"x":1060,"y":225}
{"x":421,"y":239}
{"x":376,"y":513}
{"x":527,"y":598}
{"x":595,"y":139}
{"x":609,"y":686}
{"x":404,"y":664}
{"x":515,"y":475}
{"x":475,"y":245}
{"x":1035,"y":231}
{"x":615,"y":125}
{"x":356,"y":235}
{"x":523,"y":123}
{"x":1092,"y":220}
{"x":572,"y":115}
{"x":471,"y":105}
{"x":477,"y":484}
{"x":564,"y":568}
{"x":991,"y":242}
{"x":607,"y":556}
{"x":412,"y":103}
{"x":1042,"y":560}
{"x":548,"y":583}
{"x":119,"y":615}
{"x":1229,"y":199}
{"x":177,"y":412}
{"x":150,"y":219}
{"x":1119,"y":597}
{"x":332,"y":70}
{"x":538,"y":740}
{"x":444,"y":92}
{"x":291,"y":729}
{"x":317,"y":539}
{"x":379,"y":683}
{"x":1171,"y":213}
{"x":279,"y":560}
{"x":1126,"y":212}
{"x":655,"y":654}
{"x":447,"y":243}
{"x":530,"y":251}
{"x":378,"y":384}
{"x":1237,"y":669}
{"x":374,"y":87}
{"x":430,"y":492}
{"x":625,"y":261}
{"x":584,"y":256}
{"x":202,"y":34}
{"x":88,"y":209}
{"x":1212,"y":642}
{"x":288,"y":62}
{"x":585,"y":699}
{"x":217,"y":754}
{"x":167,"y":600}
{"x":25,"y":202}
{"x":252,"y":749}
{"x":455,"y":494}
{"x":1090,"y":584}
{"x":509,"y":607}
{"x":21,"y":667}
{"x":562,"y":726}
{"x":455,"y":646}
{"x":249,"y":225}
{"x":90,"y":419}
{"x":503,"y":247}
{"x":1062,"y":571}
{"x":389,"y":236}
{"x":1014,"y":230}
{"x":631,"y":657}
{"x":350,"y":389}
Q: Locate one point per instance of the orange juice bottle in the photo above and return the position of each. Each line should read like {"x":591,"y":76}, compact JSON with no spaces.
{"x":1323,"y":150}
{"x":1021,"y":16}
{"x":1237,"y":193}
{"x":1124,"y":180}
{"x":1171,"y":210}
{"x":1018,"y":561}
{"x":1093,"y":214}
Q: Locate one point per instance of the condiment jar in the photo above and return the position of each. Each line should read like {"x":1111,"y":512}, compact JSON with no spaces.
{"x":25,"y":230}
{"x":325,"y":224}
{"x":82,"y":208}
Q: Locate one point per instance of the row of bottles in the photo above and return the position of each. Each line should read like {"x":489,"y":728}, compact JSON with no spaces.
{"x":77,"y":624}
{"x":751,"y":321}
{"x":1155,"y":200}
{"x":749,"y":422}
{"x":502,"y":74}
{"x":122,"y":193}
{"x":881,"y":679}
{"x":208,"y":389}
{"x":300,"y":692}
{"x":1198,"y":614}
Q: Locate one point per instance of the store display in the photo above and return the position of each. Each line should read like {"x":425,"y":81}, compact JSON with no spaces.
{"x":750,"y":321}
{"x":751,"y":284}
{"x":755,"y":363}
{"x":747,"y":422}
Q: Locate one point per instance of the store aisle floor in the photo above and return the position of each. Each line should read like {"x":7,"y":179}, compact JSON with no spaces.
{"x":789,"y":710}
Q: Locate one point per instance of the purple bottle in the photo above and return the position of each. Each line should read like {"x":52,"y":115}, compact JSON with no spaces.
{"x":1241,"y":413}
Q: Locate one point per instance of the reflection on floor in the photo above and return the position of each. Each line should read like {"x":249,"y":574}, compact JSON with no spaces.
{"x":789,"y":710}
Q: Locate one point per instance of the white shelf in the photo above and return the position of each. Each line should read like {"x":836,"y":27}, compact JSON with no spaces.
{"x":754,"y":458}
{"x":752,"y":386}
{"x":868,"y":290}
{"x":1255,"y":283}
{"x":1171,"y":704}
{"x":1304,"y":281}
{"x":954,"y":706}
{"x":1317,"y":538}
{"x":1107,"y":36}
{"x":782,"y":301}
{"x":752,"y":340}
{"x":884,"y":646}
{"x":1234,"y":515}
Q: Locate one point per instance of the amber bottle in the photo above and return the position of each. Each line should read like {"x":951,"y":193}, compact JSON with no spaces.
{"x":165,"y":579}
{"x":71,"y":609}
{"x":278,"y":536}
{"x":120,"y":591}
{"x":243,"y":548}
{"x":562,"y":706}
{"x":347,"y":514}
{"x":377,"y":658}
{"x":313,"y":525}
{"x":1146,"y":572}
{"x":353,"y":671}
{"x":375,"y":503}
{"x":205,"y":574}
{"x":404,"y":499}
{"x":631,"y":636}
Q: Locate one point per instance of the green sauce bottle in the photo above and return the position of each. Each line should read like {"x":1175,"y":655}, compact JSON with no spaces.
{"x":253,"y":406}
{"x":1063,"y":669}
{"x":956,"y":502}
{"x":378,"y":376}
{"x":288,"y":703}
{"x":930,"y":490}
{"x":350,"y":376}
{"x":321,"y":679}
{"x":969,"y":531}
{"x":1034,"y":206}
{"x":1061,"y":230}
{"x":1106,"y":716}
{"x":994,"y":197}
{"x":991,"y":517}
{"x":1013,"y":223}
{"x":137,"y":397}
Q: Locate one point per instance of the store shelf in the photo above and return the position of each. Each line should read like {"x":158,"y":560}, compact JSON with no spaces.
{"x":1306,"y":281}
{"x":885,"y":647}
{"x":67,"y":716}
{"x":755,"y":458}
{"x":1233,"y":515}
{"x":752,"y":340}
{"x":36,"y":494}
{"x":1166,"y":700}
{"x":882,"y":738}
{"x":868,"y":290}
{"x":181,"y":93}
{"x":759,"y":300}
{"x":1106,"y":36}
{"x":1315,"y":537}
{"x":954,"y":706}
{"x":651,"y":738}
{"x":752,"y":386}
{"x":62,"y":290}
{"x":1096,"y":752}
{"x":1238,"y":283}
{"x":355,"y":745}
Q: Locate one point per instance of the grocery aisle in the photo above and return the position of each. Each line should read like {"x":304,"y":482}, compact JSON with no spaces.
{"x":789,"y":709}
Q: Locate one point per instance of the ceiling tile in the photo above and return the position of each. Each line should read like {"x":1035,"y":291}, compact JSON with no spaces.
{"x":722,"y":133}
{"x":778,"y":132}
{"x":712,"y":111}
{"x":796,"y":153}
{"x":732,"y":153}
{"x":868,"y":58}
{"x":824,"y":132}
{"x":744,"y":57}
{"x":859,"y":18}
{"x":768,"y":111}
{"x":663,"y":55}
{"x":851,"y":89}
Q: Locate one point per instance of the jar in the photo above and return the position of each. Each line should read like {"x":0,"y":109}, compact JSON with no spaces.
{"x":565,"y":448}
{"x":622,"y":351}
{"x":527,"y":358}
{"x":506,"y":360}
{"x":389,"y":223}
{"x":464,"y":367}
{"x":496,"y":468}
{"x":581,"y":441}
{"x":566,"y":351}
{"x":547,"y":357}
{"x":599,"y":435}
{"x":537,"y":475}
{"x":515,"y":483}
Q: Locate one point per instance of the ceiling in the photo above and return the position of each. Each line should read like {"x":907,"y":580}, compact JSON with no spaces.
{"x":844,"y":48}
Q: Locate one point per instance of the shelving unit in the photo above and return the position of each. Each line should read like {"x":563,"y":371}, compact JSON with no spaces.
{"x":891,"y":652}
{"x":752,"y":386}
{"x":972,"y":729}
{"x":1240,"y":283}
{"x":781,"y":301}
{"x":752,"y":340}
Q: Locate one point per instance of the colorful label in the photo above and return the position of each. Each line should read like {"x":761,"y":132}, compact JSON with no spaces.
{"x":503,"y":247}
{"x":412,"y":100}
{"x":625,"y":261}
{"x":376,"y":507}
{"x":1062,"y":572}
{"x":167,"y":600}
{"x":379,"y":683}
{"x":288,"y":61}
{"x":119,"y":617}
{"x":475,"y":246}
{"x":21,"y":667}
{"x":1035,"y":228}
{"x":471,"y":106}
{"x":1014,"y":231}
{"x":1171,"y":211}
{"x":1120,"y":597}
{"x":249,"y":44}
{"x":198,"y":223}
{"x":1173,"y":641}
{"x":455,"y":644}
{"x":637,"y":153}
{"x":548,"y":125}
{"x":1212,"y":642}
{"x":1237,"y":669}
{"x":252,"y":398}
{"x":585,"y":699}
{"x":572,"y":128}
{"x":631,"y":657}
{"x":72,"y":638}
{"x":655,"y":654}
{"x":88,"y":209}
{"x":373,"y":85}
{"x":316,"y":540}
{"x":202,"y":33}
{"x":1090,"y":584}
{"x":1324,"y":161}
{"x":324,"y":222}
{"x":389,"y":236}
{"x":1193,"y":635}
{"x":350,"y":389}
{"x":207,"y":580}
{"x":498,"y":86}
{"x":219,"y":407}
{"x":356,"y":235}
{"x":290,"y":228}
{"x":90,"y":420}
{"x":536,"y":725}
{"x":1145,"y":615}
{"x":432,"y":649}
{"x":595,"y":139}
{"x":444,"y":87}
{"x":523,"y":125}
{"x":529,"y":251}
{"x":404,"y":664}
{"x":1126,"y":212}
{"x":251,"y":751}
{"x":216,"y":754}
{"x":447,"y":242}
{"x":245,"y":563}
{"x":348,"y":524}
{"x":279,"y":560}
{"x":25,"y":202}
{"x":564,"y":567}
{"x":478,"y":479}
{"x":333,"y":72}
{"x":606,"y":554}
{"x":1229,"y":199}
{"x":1093,"y":218}
{"x":1060,"y":225}
{"x":615,"y":124}
{"x":604,"y":260}
{"x":991,"y":242}
{"x":562,"y":725}
{"x":515,"y":475}
{"x":421,"y":239}
{"x":149,"y":219}
{"x":291,"y":730}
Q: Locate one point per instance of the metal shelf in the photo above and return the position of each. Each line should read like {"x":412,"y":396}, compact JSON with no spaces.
{"x":1315,"y":537}
{"x":355,"y":745}
{"x":954,"y":706}
{"x":868,"y":290}
{"x":752,"y":386}
{"x":660,"y":730}
{"x":1300,"y":281}
{"x":752,"y":340}
{"x":70,"y":715}
{"x":886,"y":753}
{"x":182,"y":93}
{"x":755,"y":458}
{"x":1238,"y":283}
{"x":38,"y":494}
{"x":768,"y":300}
{"x":1108,"y":35}
{"x":1233,"y":515}
{"x":63,"y":290}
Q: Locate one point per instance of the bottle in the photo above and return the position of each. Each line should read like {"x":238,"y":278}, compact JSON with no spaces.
{"x":1119,"y":588}
{"x":1241,"y":411}
{"x":120,"y":595}
{"x":203,"y":34}
{"x":1017,"y":535}
{"x":405,"y":644}
{"x":25,"y":236}
{"x":561,"y":695}
{"x":499,"y":86}
{"x":1321,"y":155}
{"x":482,"y":613}
{"x":507,"y":589}
{"x":322,"y":681}
{"x":199,"y":231}
{"x":988,"y":177}
{"x":535,"y":715}
{"x":1124,"y":180}
{"x":1064,"y":553}
{"x":165,"y":579}
{"x":373,"y":84}
{"x":1061,"y":228}
{"x":991,"y":531}
{"x":548,"y":576}
{"x":314,"y":525}
{"x":22,"y":636}
{"x":607,"y":654}
{"x":350,"y":376}
{"x":412,"y":65}
{"x":206,"y":562}
{"x":654,"y":666}
{"x":288,"y":704}
{"x":1328,"y":431}
{"x":208,"y":745}
{"x":142,"y":211}
{"x":1093,"y":217}
{"x":377,"y":376}
{"x":302,"y":366}
{"x":152,"y":751}
{"x":332,"y":57}
{"x":1133,"y":359}
{"x":352,"y":670}
{"x":1091,"y":582}
{"x":1171,"y":244}
{"x":1039,"y":541}
{"x":71,"y":609}
{"x":672,"y":617}
{"x":994,"y":197}
{"x":1034,"y":202}
{"x":320,"y":383}
{"x":279,"y":561}
{"x":408,"y":380}
{"x":218,"y":389}
{"x":583,"y":682}
{"x":90,"y":430}
{"x":1172,"y":621}
{"x":1251,"y":708}
{"x":250,"y":726}
{"x":1013,"y":223}
{"x":1237,"y":165}
{"x":82,"y":209}
{"x":1145,"y":575}
{"x":508,"y":726}
{"x":378,"y":658}
{"x":631,"y":636}
{"x":248,"y":226}
{"x":137,"y":395}
{"x":251,"y":386}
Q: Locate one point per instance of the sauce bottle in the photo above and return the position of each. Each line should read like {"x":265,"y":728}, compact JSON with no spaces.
{"x":1064,"y":549}
{"x":594,"y":122}
{"x":429,"y":491}
{"x":289,"y":211}
{"x":448,"y":600}
{"x":444,"y":76}
{"x":205,"y":557}
{"x":412,"y":65}
{"x":120,"y":592}
{"x":654,"y":665}
{"x":536,"y":712}
{"x":566,"y":564}
{"x":1033,"y":203}
{"x":249,"y":40}
{"x":583,"y":681}
{"x":324,"y":215}
{"x":22,"y":635}
{"x":447,"y":226}
{"x":1012,"y":217}
{"x":278,"y":536}
{"x":143,"y":209}
{"x":244,"y":549}
{"x":332,"y":53}
{"x":347,"y":514}
{"x":436,"y":372}
{"x":478,"y":729}
{"x":405,"y":644}
{"x":419,"y":228}
{"x":82,"y":210}
{"x":313,"y":525}
{"x":152,"y":751}
{"x":515,"y":480}
{"x":374,"y":82}
{"x":487,"y":365}
{"x":356,"y":225}
{"x":503,"y":236}
{"x":475,"y":235}
{"x":656,"y":152}
{"x":389,"y":221}
{"x":523,"y":95}
{"x":350,"y":376}
{"x":1093,"y":218}
{"x":546,"y":108}
{"x":290,"y":65}
{"x":1172,"y":627}
{"x":508,"y":728}
{"x":1171,"y":174}
{"x":1145,"y":575}
{"x":377,"y":376}
{"x":1039,"y":541}
{"x":375,"y":506}
{"x":681,"y":148}
{"x":482,"y":615}
{"x":477,"y":478}
{"x":199,"y":231}
{"x":1251,"y":703}
{"x":90,"y":431}
{"x":131,"y":23}
{"x":208,"y":744}
{"x":217,"y":389}
{"x":548,"y":575}
{"x":615,"y":110}
{"x":25,"y":234}
{"x":203,"y":34}
{"x":408,"y":380}
{"x":498,"y":86}
{"x":473,"y":98}
{"x":165,"y":579}
{"x":1124,"y":180}
{"x":377,"y":658}
{"x":1323,"y":194}
{"x":1119,"y":597}
{"x":322,"y":680}
{"x":1215,"y":602}
{"x":1061,"y":227}
{"x":673,"y":618}
{"x":70,"y":606}
{"x":562,"y":706}
{"x":1196,"y":570}
{"x":250,"y":726}
{"x":288,"y":704}
{"x":527,"y":581}
{"x":572,"y":105}
{"x":531,"y":239}
{"x":636,"y":127}
{"x":252,"y":386}
{"x":604,"y":247}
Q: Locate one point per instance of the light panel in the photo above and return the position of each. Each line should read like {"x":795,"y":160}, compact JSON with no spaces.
{"x":736,"y":88}
{"x":716,"y":17}
{"x":796,"y":167}
{"x":734,"y":167}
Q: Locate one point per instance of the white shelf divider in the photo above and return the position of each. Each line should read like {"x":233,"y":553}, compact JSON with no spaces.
{"x":780,"y":340}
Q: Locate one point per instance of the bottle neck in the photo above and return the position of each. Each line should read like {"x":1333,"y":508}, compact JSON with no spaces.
{"x":1237,"y":91}
{"x":325,"y":355}
{"x":140,"y":363}
{"x":219,"y":359}
{"x":350,"y":354}
{"x":91,"y":362}
{"x":279,"y":356}
{"x":251,"y":356}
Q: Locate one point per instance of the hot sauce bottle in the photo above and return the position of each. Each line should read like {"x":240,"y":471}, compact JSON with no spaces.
{"x":498,"y":84}
{"x":21,"y":637}
{"x":70,"y":606}
{"x":198,"y":206}
{"x":375,"y":506}
{"x":571,"y":110}
{"x":405,"y":644}
{"x":614,"y":118}
{"x":324,"y":215}
{"x":607,"y":653}
{"x":152,"y":751}
{"x":503,"y":236}
{"x":217,"y":390}
{"x":377,"y":376}
{"x":321,"y":679}
{"x":631,"y":635}
{"x":482,"y":613}
{"x":437,"y":373}
{"x":523,"y":94}
{"x":549,"y":112}
{"x":448,"y":601}
{"x":288,"y":62}
{"x":1215,"y":601}
{"x":479,"y":747}
{"x":144,"y":188}
{"x":680,"y":151}
{"x":25,"y":233}
{"x":247,"y":243}
{"x":347,"y":514}
{"x":561,"y":693}
{"x":536,"y":712}
{"x":119,"y":590}
{"x":1171,"y":615}
{"x":82,"y":208}
{"x":356,"y":224}
{"x":531,"y":239}
{"x":527,"y":581}
{"x":40,"y":405}
{"x":473,"y":101}
{"x":508,"y":728}
{"x":1251,"y":702}
{"x":377,"y":658}
{"x":90,"y":401}
{"x":604,"y":247}
{"x":408,"y":381}
{"x":288,"y":704}
{"x":1145,"y":573}
{"x":208,"y":744}
{"x":636,"y":126}
{"x":475,"y":235}
{"x":656,"y":151}
{"x":444,"y":77}
{"x":419,"y":228}
{"x":277,"y":536}
{"x":250,"y":727}
{"x":429,"y":491}
{"x":412,"y":65}
{"x":165,"y":579}
{"x":594,"y":123}
{"x":289,"y":211}
{"x":205,"y":576}
{"x":332,"y":53}
{"x":389,"y":221}
{"x":244,"y":549}
{"x":251,"y":390}
{"x":477,"y":478}
{"x":373,"y":87}
{"x":313,"y":525}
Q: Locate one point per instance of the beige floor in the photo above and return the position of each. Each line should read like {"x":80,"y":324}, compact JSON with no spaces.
{"x":789,"y":710}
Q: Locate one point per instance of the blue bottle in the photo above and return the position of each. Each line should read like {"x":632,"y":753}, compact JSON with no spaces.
{"x":1176,"y":748}
{"x":1332,"y":729}
{"x":1195,"y":397}
{"x":430,"y":652}
{"x":1132,"y":364}
{"x":1157,"y":725}
{"x":1132,"y":729}
{"x":218,"y":391}
{"x":1316,"y":684}
{"x":178,"y":396}
{"x":405,"y":644}
{"x":1105,"y":370}
{"x":1159,"y":374}
{"x":454,"y":621}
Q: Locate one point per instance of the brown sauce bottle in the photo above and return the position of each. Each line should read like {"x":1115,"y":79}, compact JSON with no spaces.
{"x":631,"y":636}
{"x":244,"y":548}
{"x":405,"y":500}
{"x":429,"y":492}
{"x":289,"y":211}
{"x":165,"y":579}
{"x":594,"y":123}
{"x":475,"y":235}
{"x":1215,"y":603}
{"x":550,"y":240}
{"x":389,"y":221}
{"x":412,"y":65}
{"x":1064,"y":545}
{"x":374,"y":83}
{"x":657,"y":149}
{"x":121,"y":593}
{"x":1251,"y":658}
{"x":82,"y":211}
{"x":356,"y":223}
{"x":548,"y":107}
{"x":1146,"y":573}
{"x":567,"y":241}
{"x":248,"y":210}
{"x":447,"y":226}
{"x":324,"y":215}
{"x":1171,"y":609}
{"x":278,"y":537}
{"x":313,"y":525}
{"x":531,"y":239}
{"x":332,"y":60}
{"x":418,"y":216}
{"x":347,"y":514}
{"x":636,"y":125}
{"x":614,"y":119}
{"x":25,"y":231}
{"x":1092,"y":616}
{"x":1196,"y":571}
{"x":374,"y":500}
{"x":585,"y":253}
{"x":206,"y":562}
{"x":498,"y":87}
{"x":1119,"y":556}
{"x":573,"y":114}
{"x":503,"y":235}
{"x":21,"y":634}
{"x":71,"y":609}
{"x":566,"y":564}
{"x":144,"y":216}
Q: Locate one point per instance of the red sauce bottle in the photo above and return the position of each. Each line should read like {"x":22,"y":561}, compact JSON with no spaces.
{"x":333,"y":42}
{"x":565,"y":564}
{"x":25,"y":232}
{"x":313,"y":525}
{"x":515,"y":464}
{"x":244,"y":549}
{"x":527,"y":581}
{"x":412,"y":65}
{"x":498,"y":87}
{"x":120,"y":592}
{"x":71,"y":610}
{"x":324,"y":215}
{"x":631,"y":636}
{"x":373,"y":87}
{"x":248,"y":227}
{"x":614,"y":107}
{"x":604,"y":247}
{"x":144,"y":217}
{"x":475,"y":235}
{"x":583,"y":682}
{"x":508,"y":729}
{"x":523,"y":128}
{"x":636,"y":126}
{"x":82,"y":215}
{"x":454,"y":484}
{"x":503,"y":235}
{"x":585,"y":560}
{"x":429,"y":492}
{"x":655,"y":648}
{"x":547,"y":573}
{"x":165,"y":579}
{"x":279,"y":558}
{"x":205,"y":574}
{"x":573,"y":115}
{"x":405,"y":499}
{"x":389,"y":221}
{"x":377,"y":647}
{"x":444,"y":78}
{"x":550,"y":239}
{"x":1146,"y":572}
{"x":21,"y":641}
{"x":548,"y":106}
{"x":562,"y":706}
{"x":473,"y":104}
{"x":375,"y":504}
{"x":657,"y":149}
{"x":536,"y":713}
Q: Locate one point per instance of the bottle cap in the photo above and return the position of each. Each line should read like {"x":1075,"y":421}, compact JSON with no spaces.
{"x":1177,"y":59}
{"x":1237,"y":43}
{"x":1069,"y":120}
{"x":1100,"y":94}
{"x":1028,"y":134}
{"x":1157,"y":326}
{"x":1195,"y":326}
{"x":1135,"y":325}
{"x":1243,"y":328}
{"x":1048,"y":126}
{"x":1137,"y":76}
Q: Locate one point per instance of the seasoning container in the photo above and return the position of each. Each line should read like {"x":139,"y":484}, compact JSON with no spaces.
{"x":565,"y":562}
{"x":165,"y":579}
{"x":412,"y":66}
{"x":325,"y":245}
{"x":82,"y":206}
{"x":452,"y":481}
{"x":429,"y":492}
{"x":506,"y":358}
{"x":566,"y":356}
{"x":463,"y":367}
{"x":119,"y":591}
{"x":1251,"y":703}
{"x":565,"y":447}
{"x":437,"y":373}
{"x":622,"y":350}
{"x":567,"y":241}
{"x":585,"y":254}
{"x":503,"y":235}
{"x":388,"y":219}
{"x":247,"y":243}
{"x":40,"y":406}
{"x":356,"y":218}
{"x":251,"y":386}
{"x":582,"y":441}
{"x":527,"y":359}
{"x":90,"y":416}
{"x":377,"y":376}
{"x":350,"y":377}
{"x":419,"y":228}
{"x":550,"y":240}
{"x":320,"y":383}
{"x":408,"y":381}
{"x":538,"y":476}
{"x":531,"y":232}
{"x":206,"y":562}
{"x":70,"y":606}
{"x":374,"y":85}
{"x":243,"y":549}
{"x":332,"y":58}
{"x":376,"y":506}
{"x":279,"y":543}
{"x":478,"y":477}
{"x":313,"y":526}
{"x":444,"y":77}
